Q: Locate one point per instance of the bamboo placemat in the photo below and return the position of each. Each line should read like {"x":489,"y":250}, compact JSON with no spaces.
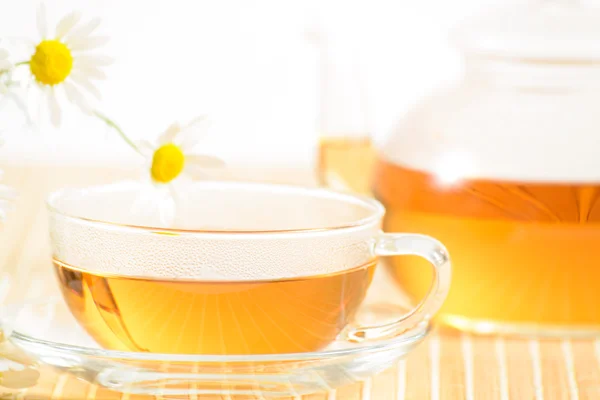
{"x":444,"y":367}
{"x":448,"y":365}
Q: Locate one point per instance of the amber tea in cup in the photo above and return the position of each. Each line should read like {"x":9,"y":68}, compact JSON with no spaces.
{"x":243,"y":268}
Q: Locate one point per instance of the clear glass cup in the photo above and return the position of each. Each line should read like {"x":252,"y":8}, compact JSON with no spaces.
{"x":243,"y":269}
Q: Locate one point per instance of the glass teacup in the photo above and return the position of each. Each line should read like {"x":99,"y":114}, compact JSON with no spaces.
{"x":243,"y":269}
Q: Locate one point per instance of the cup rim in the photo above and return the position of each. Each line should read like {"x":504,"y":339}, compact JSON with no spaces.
{"x":378,"y":210}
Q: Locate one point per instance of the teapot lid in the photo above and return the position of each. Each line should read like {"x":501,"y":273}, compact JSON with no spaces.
{"x":538,"y":29}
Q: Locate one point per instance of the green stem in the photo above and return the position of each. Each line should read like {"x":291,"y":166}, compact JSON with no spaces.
{"x":116,"y":127}
{"x":16,"y":65}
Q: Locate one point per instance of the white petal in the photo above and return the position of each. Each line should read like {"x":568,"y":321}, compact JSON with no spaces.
{"x":85,"y":30}
{"x":3,"y":54}
{"x":176,"y":192}
{"x":146,"y":148}
{"x":204,"y":161}
{"x":5,"y":65}
{"x":154,"y":205}
{"x":88,"y":43}
{"x":3,"y":88}
{"x":86,"y":60}
{"x":195,"y":172}
{"x":67,"y":23}
{"x":198,"y":124}
{"x":167,"y":211}
{"x":76,"y":98}
{"x":85,"y":83}
{"x":169,"y":135}
{"x":187,"y":143}
{"x":90,"y":73}
{"x":19,"y":98}
{"x":42,"y":25}
{"x":54,"y":107}
{"x":142,"y":209}
{"x":191,"y":134}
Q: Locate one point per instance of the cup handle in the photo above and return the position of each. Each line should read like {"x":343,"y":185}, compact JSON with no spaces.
{"x":400,"y":244}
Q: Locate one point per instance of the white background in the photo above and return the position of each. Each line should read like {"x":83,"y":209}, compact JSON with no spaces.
{"x":251,"y":64}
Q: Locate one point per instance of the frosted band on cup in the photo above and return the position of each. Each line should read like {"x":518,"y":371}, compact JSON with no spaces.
{"x":277,"y":233}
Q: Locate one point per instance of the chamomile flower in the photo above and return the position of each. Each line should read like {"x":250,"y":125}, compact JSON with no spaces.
{"x":5,"y":66}
{"x":61,"y":62}
{"x":172,"y":156}
{"x":169,"y":162}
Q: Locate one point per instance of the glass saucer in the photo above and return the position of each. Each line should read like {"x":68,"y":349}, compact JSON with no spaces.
{"x":44,"y":331}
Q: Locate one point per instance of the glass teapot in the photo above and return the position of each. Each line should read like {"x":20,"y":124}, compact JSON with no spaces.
{"x":504,"y":169}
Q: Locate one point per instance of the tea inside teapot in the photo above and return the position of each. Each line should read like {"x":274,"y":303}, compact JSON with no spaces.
{"x":503,"y":169}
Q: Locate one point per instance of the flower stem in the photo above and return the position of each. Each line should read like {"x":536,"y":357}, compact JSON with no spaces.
{"x":116,"y":127}
{"x":4,"y":71}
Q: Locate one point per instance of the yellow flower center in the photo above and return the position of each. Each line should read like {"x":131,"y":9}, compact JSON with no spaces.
{"x":52,"y":62}
{"x":167,"y":163}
